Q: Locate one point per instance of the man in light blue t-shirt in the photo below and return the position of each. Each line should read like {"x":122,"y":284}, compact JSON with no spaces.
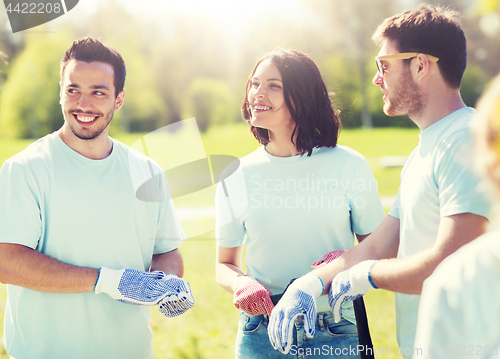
{"x":83,"y":256}
{"x":460,"y":305}
{"x":439,"y":206}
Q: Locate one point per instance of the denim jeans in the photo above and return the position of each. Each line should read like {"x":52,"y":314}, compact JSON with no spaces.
{"x":332,"y":340}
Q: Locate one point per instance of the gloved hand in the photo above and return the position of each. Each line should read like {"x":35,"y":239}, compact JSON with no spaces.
{"x":298,"y":299}
{"x":132,"y":286}
{"x":350,"y":285}
{"x":252,"y":297}
{"x":178,"y":303}
{"x":327,"y":258}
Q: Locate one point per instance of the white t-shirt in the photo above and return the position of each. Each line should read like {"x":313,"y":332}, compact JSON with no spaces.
{"x":438,"y":180}
{"x":86,"y":213}
{"x":293,"y":210}
{"x":460,"y":304}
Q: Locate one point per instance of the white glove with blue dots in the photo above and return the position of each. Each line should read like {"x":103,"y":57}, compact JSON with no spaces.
{"x":146,"y":288}
{"x":299,"y":299}
{"x":350,"y":285}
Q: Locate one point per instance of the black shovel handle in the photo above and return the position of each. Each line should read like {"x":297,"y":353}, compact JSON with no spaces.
{"x":365,"y":339}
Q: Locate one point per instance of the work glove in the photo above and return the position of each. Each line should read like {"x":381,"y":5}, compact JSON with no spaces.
{"x":252,"y":297}
{"x":350,"y":285}
{"x":134,"y":287}
{"x":178,"y":303}
{"x":327,"y":258}
{"x":299,"y":299}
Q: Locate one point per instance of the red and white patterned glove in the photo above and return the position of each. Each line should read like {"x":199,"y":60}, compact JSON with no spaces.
{"x":327,"y":258}
{"x":252,"y":297}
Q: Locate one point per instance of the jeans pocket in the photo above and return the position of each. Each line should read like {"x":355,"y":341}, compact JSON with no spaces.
{"x":342,"y":328}
{"x":250,"y":323}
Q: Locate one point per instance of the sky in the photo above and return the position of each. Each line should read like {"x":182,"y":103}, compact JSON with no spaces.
{"x":233,"y":14}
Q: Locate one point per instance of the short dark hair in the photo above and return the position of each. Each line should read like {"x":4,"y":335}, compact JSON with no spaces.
{"x":89,"y":49}
{"x":433,"y":31}
{"x":317,"y":124}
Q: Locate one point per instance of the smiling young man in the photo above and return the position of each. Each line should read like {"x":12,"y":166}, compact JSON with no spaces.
{"x":82,"y":256}
{"x":439,"y":206}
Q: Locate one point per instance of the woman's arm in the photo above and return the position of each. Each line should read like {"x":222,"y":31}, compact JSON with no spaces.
{"x":229,"y":266}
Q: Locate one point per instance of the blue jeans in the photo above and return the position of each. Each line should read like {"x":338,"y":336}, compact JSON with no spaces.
{"x":332,"y":340}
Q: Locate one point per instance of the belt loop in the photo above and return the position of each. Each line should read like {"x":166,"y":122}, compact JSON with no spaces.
{"x":321,"y":321}
{"x":265,"y":319}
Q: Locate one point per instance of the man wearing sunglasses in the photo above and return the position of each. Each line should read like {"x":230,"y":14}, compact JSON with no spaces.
{"x":439,"y":206}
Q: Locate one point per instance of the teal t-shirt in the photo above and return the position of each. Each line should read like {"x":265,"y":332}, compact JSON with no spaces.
{"x":293,"y":210}
{"x":460,"y":305}
{"x":85,"y":213}
{"x":438,"y":180}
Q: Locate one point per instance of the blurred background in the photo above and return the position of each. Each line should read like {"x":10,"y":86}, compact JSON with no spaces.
{"x":192,"y":57}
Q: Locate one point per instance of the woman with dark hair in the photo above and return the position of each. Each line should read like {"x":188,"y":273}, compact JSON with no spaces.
{"x":298,"y":196}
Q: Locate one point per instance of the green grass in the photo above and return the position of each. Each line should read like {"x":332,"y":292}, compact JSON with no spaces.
{"x":209,"y":329}
{"x":377,"y":143}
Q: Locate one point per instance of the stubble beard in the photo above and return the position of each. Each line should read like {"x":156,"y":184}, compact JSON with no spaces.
{"x":406,"y":99}
{"x":90,"y":134}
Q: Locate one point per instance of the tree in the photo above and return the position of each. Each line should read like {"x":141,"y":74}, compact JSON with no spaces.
{"x":29,"y":101}
{"x":10,"y":45}
{"x":143,"y":109}
{"x":192,"y":47}
{"x":211,"y":102}
{"x":473,"y":84}
{"x":359,"y":19}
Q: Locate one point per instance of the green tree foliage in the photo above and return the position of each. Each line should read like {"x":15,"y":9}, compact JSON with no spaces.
{"x":8,"y":47}
{"x":211,"y":102}
{"x":357,"y":20}
{"x":343,"y":84}
{"x":182,"y":63}
{"x":187,"y":48}
{"x":143,"y":109}
{"x":473,"y":84}
{"x":29,"y":101}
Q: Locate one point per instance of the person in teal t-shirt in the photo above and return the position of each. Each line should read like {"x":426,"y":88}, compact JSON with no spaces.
{"x":439,"y":206}
{"x":290,"y":201}
{"x":460,"y":305}
{"x":82,"y":256}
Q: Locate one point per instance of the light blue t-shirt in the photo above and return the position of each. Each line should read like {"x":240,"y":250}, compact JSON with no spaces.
{"x":460,"y":305}
{"x":85,"y":213}
{"x":438,"y":180}
{"x":293,"y":210}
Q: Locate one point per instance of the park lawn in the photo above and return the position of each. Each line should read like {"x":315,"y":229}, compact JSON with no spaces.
{"x":209,"y":329}
{"x":237,"y":141}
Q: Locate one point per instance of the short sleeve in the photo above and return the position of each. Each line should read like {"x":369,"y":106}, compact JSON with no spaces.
{"x":460,"y":189}
{"x":170,"y":234}
{"x":394,"y":211}
{"x":231,"y":201}
{"x":20,"y":214}
{"x":366,"y":208}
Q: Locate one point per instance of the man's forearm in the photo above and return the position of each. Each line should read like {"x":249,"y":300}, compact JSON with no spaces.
{"x":382,"y":243}
{"x":168,"y":262}
{"x":27,"y":268}
{"x":405,"y":275}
